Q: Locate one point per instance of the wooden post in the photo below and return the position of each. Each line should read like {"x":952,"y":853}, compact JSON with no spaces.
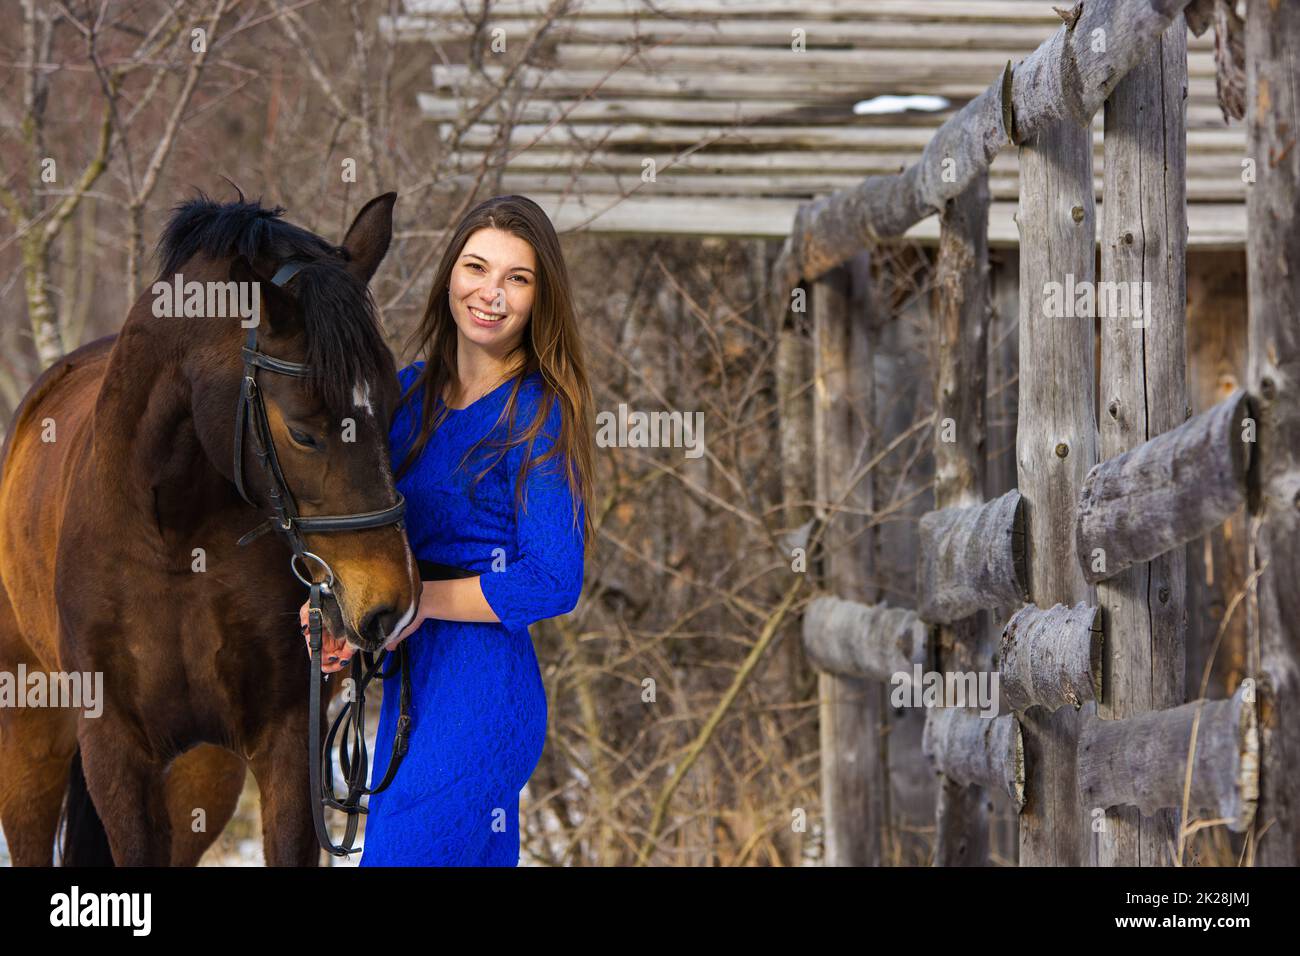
{"x":1056,"y":445}
{"x":1273,"y":270}
{"x":1144,"y":393}
{"x":852,"y":748}
{"x":901,"y":366}
{"x":962,"y":312}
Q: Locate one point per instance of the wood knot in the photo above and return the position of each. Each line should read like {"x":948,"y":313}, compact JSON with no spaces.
{"x":1267,"y":388}
{"x":1077,"y":213}
{"x":1113,"y":408}
{"x":1163,"y":594}
{"x":1127,"y":238}
{"x":1062,"y":449}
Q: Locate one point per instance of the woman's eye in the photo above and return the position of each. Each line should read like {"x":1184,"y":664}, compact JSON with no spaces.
{"x":302,"y":439}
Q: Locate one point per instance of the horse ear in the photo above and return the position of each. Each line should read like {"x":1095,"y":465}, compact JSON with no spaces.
{"x":369,"y":235}
{"x":279,"y":303}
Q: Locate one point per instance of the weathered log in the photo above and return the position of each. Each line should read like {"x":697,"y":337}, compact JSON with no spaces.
{"x":1273,"y":283}
{"x":972,"y":558}
{"x":1142,"y":761}
{"x":1056,"y":445}
{"x":986,"y":751}
{"x":863,"y":640}
{"x":1143,"y":394}
{"x":1066,"y":80}
{"x":1164,"y":493}
{"x":1052,"y":657}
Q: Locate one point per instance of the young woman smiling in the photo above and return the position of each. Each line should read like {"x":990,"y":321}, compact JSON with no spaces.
{"x":495,"y":452}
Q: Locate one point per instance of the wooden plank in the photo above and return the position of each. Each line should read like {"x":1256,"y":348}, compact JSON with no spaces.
{"x":1214,"y":226}
{"x":904,"y":66}
{"x":848,"y":165}
{"x":448,"y":105}
{"x":556,"y":82}
{"x":774,"y":32}
{"x":1141,"y":761}
{"x":810,"y":91}
{"x":797,"y":186}
{"x":553,"y":82}
{"x":967,"y":11}
{"x":977,"y":751}
{"x":844,"y":136}
{"x":972,"y":557}
{"x":1052,"y":657}
{"x":1167,"y":491}
{"x":1273,"y":276}
{"x":860,"y":32}
{"x":853,"y":639}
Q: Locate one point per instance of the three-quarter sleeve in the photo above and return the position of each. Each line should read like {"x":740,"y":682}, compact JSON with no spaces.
{"x":542,"y":575}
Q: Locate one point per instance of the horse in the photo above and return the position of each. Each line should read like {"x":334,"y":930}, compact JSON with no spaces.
{"x":121,"y":502}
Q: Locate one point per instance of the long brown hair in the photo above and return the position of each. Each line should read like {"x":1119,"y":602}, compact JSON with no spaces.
{"x":550,"y":346}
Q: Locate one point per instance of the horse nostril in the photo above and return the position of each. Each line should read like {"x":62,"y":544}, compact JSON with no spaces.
{"x":380,"y":622}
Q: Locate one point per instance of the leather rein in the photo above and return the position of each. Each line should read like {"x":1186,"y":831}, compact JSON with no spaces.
{"x":290,"y":525}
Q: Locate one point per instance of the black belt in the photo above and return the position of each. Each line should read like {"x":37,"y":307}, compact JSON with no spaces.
{"x":433,"y":571}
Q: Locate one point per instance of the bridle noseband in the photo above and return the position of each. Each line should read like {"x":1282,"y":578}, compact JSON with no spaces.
{"x":290,"y":525}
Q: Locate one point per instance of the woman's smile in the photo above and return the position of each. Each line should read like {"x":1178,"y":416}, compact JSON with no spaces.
{"x":486,"y":319}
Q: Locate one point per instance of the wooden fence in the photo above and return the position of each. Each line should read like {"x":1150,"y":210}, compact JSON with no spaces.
{"x":1096,"y":745}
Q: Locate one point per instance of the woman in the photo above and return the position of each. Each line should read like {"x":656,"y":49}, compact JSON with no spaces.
{"x":496,"y":464}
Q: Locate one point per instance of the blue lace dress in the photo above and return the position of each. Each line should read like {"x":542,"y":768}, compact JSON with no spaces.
{"x":478,"y":706}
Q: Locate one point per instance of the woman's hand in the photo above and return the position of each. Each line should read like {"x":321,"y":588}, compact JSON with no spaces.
{"x":335,"y":652}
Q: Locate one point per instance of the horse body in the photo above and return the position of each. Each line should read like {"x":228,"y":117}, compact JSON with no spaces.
{"x":118,"y":557}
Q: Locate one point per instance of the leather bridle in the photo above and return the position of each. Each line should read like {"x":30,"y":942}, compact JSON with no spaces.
{"x":291,"y":525}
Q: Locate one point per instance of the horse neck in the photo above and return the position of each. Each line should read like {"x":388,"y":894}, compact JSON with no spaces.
{"x":145,"y":434}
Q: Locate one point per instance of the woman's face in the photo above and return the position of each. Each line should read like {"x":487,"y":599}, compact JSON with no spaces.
{"x":492,"y":288}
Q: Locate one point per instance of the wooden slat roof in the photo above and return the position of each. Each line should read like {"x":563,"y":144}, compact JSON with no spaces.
{"x":740,"y":127}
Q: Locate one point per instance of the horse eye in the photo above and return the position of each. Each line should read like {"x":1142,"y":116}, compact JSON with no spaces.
{"x":302,"y":439}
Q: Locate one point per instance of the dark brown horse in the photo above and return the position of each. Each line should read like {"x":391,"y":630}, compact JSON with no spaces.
{"x":118,"y":527}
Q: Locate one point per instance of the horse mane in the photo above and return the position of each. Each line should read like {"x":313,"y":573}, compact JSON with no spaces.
{"x":345,"y":344}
